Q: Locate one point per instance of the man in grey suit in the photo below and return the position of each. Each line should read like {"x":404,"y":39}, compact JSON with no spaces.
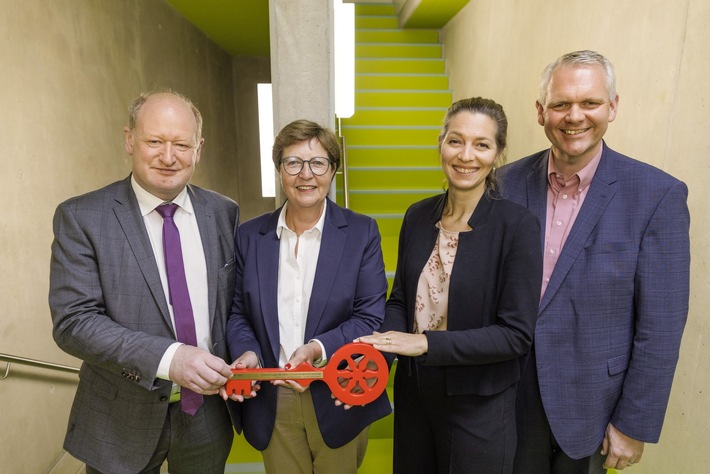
{"x":615,"y":282}
{"x":110,"y":298}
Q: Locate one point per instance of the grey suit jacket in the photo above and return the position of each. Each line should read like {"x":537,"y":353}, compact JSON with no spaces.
{"x":108,"y":309}
{"x":610,"y":322}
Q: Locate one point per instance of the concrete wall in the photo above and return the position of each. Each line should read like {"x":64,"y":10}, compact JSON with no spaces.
{"x":248,"y":72}
{"x":70,"y":69}
{"x":498,"y":48}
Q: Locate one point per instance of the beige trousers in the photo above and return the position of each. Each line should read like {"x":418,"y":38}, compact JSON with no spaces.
{"x":297,"y":446}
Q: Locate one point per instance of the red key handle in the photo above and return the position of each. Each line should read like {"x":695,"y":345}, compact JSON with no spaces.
{"x":347,"y":375}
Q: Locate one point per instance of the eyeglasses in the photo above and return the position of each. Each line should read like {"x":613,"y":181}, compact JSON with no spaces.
{"x":294,"y":165}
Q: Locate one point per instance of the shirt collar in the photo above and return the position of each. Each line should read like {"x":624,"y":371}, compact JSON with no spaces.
{"x":585,"y":175}
{"x":147,"y":202}
{"x":281,"y":225}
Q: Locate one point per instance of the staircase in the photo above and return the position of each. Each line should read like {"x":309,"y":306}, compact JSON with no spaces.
{"x":401,"y":96}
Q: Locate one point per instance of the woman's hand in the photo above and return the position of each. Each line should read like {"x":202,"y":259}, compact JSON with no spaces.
{"x":306,"y":353}
{"x":248,"y":360}
{"x":397,"y":342}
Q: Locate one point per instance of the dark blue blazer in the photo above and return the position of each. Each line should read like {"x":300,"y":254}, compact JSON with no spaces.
{"x":493,"y":291}
{"x":347,"y":301}
{"x":612,"y":316}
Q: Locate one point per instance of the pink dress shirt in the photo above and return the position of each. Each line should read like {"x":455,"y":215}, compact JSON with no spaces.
{"x":565,"y":195}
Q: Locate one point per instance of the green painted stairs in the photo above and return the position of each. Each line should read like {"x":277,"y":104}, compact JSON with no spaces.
{"x":401,"y":96}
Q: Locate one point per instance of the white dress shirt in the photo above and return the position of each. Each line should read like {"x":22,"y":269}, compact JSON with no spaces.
{"x":194,"y":260}
{"x":295,"y":283}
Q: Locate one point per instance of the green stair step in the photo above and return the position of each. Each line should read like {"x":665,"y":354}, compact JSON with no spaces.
{"x":375,"y":9}
{"x":402,"y":81}
{"x":389,"y":226}
{"x":391,"y":141}
{"x":365,"y":156}
{"x":390,"y":136}
{"x":396,"y":36}
{"x":399,"y":66}
{"x":403,"y":99}
{"x":375,"y":22}
{"x":389,"y":233}
{"x":391,"y":51}
{"x":378,"y":459}
{"x":394,"y":178}
{"x":387,"y":202}
{"x":389,"y":252}
{"x":396,"y":117}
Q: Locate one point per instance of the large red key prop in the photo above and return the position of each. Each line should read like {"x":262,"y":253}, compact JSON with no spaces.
{"x":347,"y":375}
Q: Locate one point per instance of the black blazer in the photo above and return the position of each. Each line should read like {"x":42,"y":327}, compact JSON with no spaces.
{"x":493,"y":294}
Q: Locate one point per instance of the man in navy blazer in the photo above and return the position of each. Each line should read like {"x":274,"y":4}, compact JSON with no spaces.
{"x":110,"y":306}
{"x":615,"y":285}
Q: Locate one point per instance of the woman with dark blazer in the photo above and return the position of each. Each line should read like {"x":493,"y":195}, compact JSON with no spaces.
{"x":310,"y":279}
{"x":463,"y":305}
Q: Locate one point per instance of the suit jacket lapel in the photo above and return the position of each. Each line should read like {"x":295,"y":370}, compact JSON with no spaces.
{"x":267,"y":271}
{"x":537,"y":192}
{"x":129,"y":217}
{"x":331,"y":251}
{"x":601,"y":190}
{"x":210,"y":245}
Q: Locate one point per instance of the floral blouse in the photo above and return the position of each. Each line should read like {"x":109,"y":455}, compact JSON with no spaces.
{"x":432,"y":304}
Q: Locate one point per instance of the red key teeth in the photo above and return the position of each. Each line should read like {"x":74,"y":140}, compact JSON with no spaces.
{"x":238,"y":387}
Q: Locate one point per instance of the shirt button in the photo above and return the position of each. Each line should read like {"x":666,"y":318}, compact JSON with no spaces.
{"x":558,"y":223}
{"x":552,"y":251}
{"x":564,"y":196}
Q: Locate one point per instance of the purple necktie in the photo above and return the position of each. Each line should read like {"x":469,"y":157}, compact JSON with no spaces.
{"x":190,"y":401}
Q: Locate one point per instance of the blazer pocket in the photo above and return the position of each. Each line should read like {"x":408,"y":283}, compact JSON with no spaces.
{"x":226,"y":277}
{"x":609,"y":247}
{"x":228,"y":267}
{"x":617,"y":365}
{"x":99,"y":385}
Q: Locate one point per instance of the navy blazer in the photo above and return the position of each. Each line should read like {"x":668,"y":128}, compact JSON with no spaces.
{"x":612,"y":316}
{"x":347,"y":301}
{"x":494,"y":290}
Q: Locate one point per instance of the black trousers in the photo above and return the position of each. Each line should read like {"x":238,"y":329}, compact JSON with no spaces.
{"x":449,"y":434}
{"x":538,"y":451}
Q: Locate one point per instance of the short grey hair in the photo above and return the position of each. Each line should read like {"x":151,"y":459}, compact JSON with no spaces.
{"x":579,"y":58}
{"x":140,"y":101}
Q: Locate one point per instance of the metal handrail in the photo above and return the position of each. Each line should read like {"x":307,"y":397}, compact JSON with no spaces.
{"x":343,"y":165}
{"x":10,"y":359}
